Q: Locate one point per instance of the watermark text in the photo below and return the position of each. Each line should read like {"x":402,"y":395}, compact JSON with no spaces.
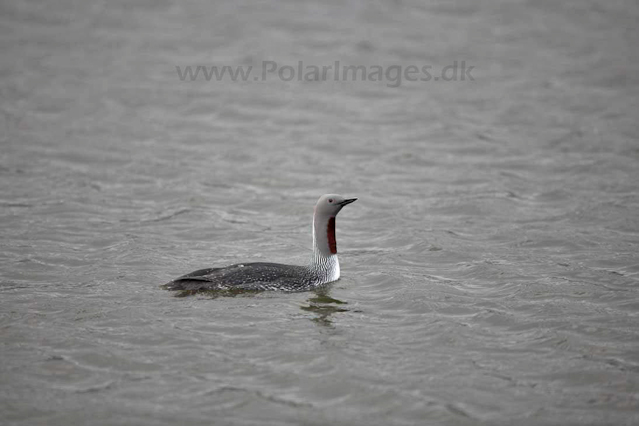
{"x":393,"y":75}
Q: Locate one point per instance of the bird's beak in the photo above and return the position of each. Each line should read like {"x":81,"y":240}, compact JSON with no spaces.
{"x":350,"y":200}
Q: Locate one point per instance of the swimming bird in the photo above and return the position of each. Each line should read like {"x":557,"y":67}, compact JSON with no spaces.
{"x":322,"y":268}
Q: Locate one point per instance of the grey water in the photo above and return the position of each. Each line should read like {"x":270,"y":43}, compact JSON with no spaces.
{"x":490,"y":268}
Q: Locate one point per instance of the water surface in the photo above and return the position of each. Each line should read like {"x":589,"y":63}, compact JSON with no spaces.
{"x":489,"y":268}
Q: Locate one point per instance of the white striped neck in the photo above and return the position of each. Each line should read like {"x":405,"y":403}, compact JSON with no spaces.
{"x":324,"y":261}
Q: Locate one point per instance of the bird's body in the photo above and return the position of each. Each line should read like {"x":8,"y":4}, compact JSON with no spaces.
{"x":246,"y":276}
{"x":323,"y":267}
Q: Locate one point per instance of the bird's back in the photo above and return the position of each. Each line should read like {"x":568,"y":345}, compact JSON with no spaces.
{"x":246,"y":276}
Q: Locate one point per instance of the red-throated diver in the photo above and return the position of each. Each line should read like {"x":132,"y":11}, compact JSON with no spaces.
{"x":323,"y":267}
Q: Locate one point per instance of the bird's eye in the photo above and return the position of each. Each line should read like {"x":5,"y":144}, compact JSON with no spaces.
{"x":330,"y":200}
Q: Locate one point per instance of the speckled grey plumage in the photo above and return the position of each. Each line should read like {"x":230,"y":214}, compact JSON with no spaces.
{"x":248,"y":276}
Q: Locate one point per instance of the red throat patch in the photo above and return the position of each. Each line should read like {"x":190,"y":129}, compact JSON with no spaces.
{"x":330,"y":233}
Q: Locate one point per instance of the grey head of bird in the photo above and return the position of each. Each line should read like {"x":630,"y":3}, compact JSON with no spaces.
{"x":329,"y":205}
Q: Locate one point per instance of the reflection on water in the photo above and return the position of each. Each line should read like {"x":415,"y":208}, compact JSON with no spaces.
{"x":321,"y":304}
{"x":324,"y":306}
{"x":214,"y":294}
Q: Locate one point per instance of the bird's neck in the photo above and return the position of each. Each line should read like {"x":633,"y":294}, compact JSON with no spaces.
{"x":324,"y":259}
